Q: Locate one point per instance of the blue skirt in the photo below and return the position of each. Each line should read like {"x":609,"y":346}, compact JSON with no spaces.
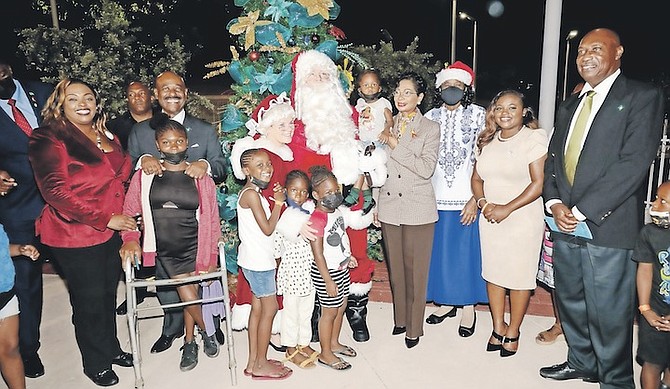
{"x":455,"y":274}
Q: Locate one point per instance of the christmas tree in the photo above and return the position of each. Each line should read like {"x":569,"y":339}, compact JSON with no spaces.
{"x":269,"y":35}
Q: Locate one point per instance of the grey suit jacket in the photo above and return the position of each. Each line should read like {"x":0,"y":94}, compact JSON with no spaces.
{"x":619,"y":148}
{"x":203,"y":143}
{"x":407,"y":196}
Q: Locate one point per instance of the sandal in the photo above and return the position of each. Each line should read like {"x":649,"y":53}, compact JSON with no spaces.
{"x":303,"y":364}
{"x":312,"y":357}
{"x":284,"y":372}
{"x":506,"y":352}
{"x":340,"y":364}
{"x":495,"y":346}
{"x":550,"y":336}
{"x":346,"y":351}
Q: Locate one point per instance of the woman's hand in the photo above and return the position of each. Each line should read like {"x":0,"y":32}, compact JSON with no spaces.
{"x":131,"y":251}
{"x":122,"y":223}
{"x":469,"y":212}
{"x":660,"y":323}
{"x":353,"y":262}
{"x":307,"y":232}
{"x":495,"y":213}
{"x":29,"y":251}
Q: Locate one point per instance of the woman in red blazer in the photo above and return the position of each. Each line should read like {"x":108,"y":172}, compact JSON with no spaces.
{"x":81,"y":171}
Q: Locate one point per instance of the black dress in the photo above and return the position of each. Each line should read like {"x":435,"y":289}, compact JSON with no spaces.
{"x":174,"y":201}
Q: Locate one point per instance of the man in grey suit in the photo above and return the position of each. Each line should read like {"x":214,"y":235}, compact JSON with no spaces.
{"x":604,"y":140}
{"x":205,"y":156}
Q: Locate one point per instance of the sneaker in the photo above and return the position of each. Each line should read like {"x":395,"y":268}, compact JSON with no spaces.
{"x":209,"y":345}
{"x":189,"y":356}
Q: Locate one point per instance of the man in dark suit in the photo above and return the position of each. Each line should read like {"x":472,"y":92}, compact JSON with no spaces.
{"x":21,"y":202}
{"x":205,"y":156}
{"x":140,"y":107}
{"x":598,"y":158}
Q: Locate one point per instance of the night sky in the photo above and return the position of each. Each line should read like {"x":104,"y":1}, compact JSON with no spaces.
{"x":509,"y":46}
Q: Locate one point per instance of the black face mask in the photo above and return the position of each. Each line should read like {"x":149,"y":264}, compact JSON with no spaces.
{"x":332,"y":201}
{"x":370,"y":98}
{"x":452,"y":95}
{"x":259,"y":183}
{"x":174,"y":158}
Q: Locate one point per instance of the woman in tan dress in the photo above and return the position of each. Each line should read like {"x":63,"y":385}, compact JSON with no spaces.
{"x":507,"y":184}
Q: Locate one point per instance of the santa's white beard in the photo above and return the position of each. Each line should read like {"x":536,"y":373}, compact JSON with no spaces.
{"x":326,"y":115}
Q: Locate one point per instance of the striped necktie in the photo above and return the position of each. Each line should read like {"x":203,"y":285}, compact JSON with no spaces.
{"x":576,"y":138}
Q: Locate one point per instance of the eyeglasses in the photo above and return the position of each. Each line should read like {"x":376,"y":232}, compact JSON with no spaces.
{"x":405,"y":93}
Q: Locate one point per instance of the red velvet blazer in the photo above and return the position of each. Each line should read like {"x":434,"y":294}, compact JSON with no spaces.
{"x":82,"y":189}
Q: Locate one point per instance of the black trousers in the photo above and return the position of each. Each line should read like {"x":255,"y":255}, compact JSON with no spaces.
{"x":28,"y":286}
{"x":92,"y":276}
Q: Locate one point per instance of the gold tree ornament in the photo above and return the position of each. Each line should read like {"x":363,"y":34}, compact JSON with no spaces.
{"x":247,"y":25}
{"x":314,"y":7}
{"x":282,"y":46}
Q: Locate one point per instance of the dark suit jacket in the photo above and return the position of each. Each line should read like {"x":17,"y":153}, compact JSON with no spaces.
{"x":21,"y":206}
{"x":621,"y":144}
{"x":203,"y":143}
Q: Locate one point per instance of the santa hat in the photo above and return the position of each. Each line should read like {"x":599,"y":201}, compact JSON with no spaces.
{"x":456,"y":71}
{"x":258,"y":113}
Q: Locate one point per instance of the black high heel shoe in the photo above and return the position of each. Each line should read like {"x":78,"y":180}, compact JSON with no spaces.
{"x":467,"y":331}
{"x":492,"y":346}
{"x":434,"y":319}
{"x":505,"y":352}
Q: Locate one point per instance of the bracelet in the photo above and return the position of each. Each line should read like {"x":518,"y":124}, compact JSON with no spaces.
{"x":480,"y":199}
{"x":484,"y":207}
{"x":644,"y":308}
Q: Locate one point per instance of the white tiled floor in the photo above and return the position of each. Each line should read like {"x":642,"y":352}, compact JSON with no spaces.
{"x":441,"y":360}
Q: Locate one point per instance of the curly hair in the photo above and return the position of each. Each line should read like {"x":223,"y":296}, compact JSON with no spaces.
{"x":53,"y":113}
{"x":490,"y":128}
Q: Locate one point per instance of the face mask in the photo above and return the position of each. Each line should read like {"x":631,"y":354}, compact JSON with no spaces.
{"x":259,"y":183}
{"x":293,"y":204}
{"x":452,"y":95}
{"x":370,"y":98}
{"x":661,"y":219}
{"x":332,"y":201}
{"x":174,"y":158}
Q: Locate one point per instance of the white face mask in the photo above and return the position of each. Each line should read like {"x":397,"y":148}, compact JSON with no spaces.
{"x":661,"y":219}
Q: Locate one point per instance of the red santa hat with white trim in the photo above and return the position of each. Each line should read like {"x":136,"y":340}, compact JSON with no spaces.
{"x":456,"y":71}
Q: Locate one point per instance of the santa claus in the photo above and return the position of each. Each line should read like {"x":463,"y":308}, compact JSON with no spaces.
{"x":325,"y":134}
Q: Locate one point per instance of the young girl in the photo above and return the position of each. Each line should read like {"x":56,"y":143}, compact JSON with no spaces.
{"x":256,"y":224}
{"x":181,"y":228}
{"x":294,"y":281}
{"x":330,"y":270}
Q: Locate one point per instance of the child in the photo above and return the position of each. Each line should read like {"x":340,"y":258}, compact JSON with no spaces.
{"x":10,"y":358}
{"x":293,"y":275}
{"x":375,"y":116}
{"x":375,"y":120}
{"x":256,"y":224}
{"x":181,"y":228}
{"x":330,"y":273}
{"x":651,"y":254}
